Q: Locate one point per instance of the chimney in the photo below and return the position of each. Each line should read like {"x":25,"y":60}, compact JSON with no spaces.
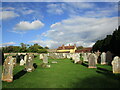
{"x":63,"y":46}
{"x":75,"y":45}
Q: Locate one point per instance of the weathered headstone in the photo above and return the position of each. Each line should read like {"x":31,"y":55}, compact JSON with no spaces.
{"x":96,"y":58}
{"x":108,"y":57}
{"x":45,"y":58}
{"x":116,"y":65}
{"x":7,"y":74}
{"x":54,"y":62}
{"x":25,"y":58}
{"x":41,"y":56}
{"x":85,"y":59}
{"x":91,"y":61}
{"x":14,"y":62}
{"x":29,"y":63}
{"x":76,"y":58}
{"x":103,"y":58}
{"x":22,"y":62}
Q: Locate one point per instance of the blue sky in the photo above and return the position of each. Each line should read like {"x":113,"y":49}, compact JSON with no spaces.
{"x":55,"y":23}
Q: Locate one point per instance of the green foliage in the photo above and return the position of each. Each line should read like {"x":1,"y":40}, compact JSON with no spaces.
{"x":24,"y":48}
{"x":42,"y":51}
{"x":64,"y":74}
{"x":46,"y":47}
{"x":110,"y":43}
{"x":79,"y":47}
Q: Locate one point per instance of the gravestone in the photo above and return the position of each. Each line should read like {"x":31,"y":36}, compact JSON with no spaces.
{"x":29,"y":63}
{"x":41,"y":56}
{"x":25,"y":58}
{"x":18,"y":58}
{"x":54,"y":62}
{"x":14,"y":62}
{"x":98,"y":55}
{"x":109,"y":57}
{"x":103,"y":58}
{"x":7,"y":74}
{"x":77,"y":58}
{"x":116,"y":65}
{"x":45,"y":58}
{"x":85,"y":59}
{"x":96,"y":58}
{"x":91,"y":61}
{"x":22,"y":62}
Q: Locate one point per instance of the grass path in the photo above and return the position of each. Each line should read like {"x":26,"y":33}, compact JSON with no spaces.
{"x":64,"y":74}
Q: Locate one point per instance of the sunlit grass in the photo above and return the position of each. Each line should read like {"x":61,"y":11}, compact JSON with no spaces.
{"x":64,"y":74}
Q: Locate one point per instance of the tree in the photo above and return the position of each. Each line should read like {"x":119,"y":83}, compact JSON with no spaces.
{"x":79,"y":47}
{"x":110,"y":43}
{"x":46,"y":47}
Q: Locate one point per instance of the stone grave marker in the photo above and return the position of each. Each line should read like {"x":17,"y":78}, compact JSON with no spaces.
{"x":85,"y":59}
{"x":45,"y":58}
{"x":7,"y":74}
{"x":91,"y":61}
{"x":108,"y":57}
{"x":116,"y":64}
{"x":103,"y":58}
{"x":29,"y":63}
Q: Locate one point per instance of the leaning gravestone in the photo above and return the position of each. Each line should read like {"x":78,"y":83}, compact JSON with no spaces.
{"x":103,"y":58}
{"x":7,"y":74}
{"x":108,"y":57}
{"x":91,"y":61}
{"x":116,"y":65}
{"x":29,"y":63}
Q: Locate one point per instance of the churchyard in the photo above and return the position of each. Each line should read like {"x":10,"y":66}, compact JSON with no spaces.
{"x":61,"y":70}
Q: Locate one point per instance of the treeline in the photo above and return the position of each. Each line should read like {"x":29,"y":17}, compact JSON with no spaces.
{"x":110,"y":43}
{"x":25,"y":48}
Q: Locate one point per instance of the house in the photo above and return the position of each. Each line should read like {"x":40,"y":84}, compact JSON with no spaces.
{"x":87,"y":49}
{"x":67,"y":49}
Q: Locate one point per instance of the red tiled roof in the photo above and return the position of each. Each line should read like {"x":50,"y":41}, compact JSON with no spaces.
{"x":64,"y":52}
{"x":83,"y":50}
{"x":66,"y":47}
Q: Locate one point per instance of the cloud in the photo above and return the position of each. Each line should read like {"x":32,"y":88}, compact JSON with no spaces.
{"x":8,"y":14}
{"x":80,"y":30}
{"x":7,"y":44}
{"x":55,"y":8}
{"x":25,"y":25}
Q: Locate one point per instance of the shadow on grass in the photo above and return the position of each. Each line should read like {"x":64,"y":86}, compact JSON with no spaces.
{"x":108,"y":73}
{"x":96,"y":82}
{"x":19,"y":74}
{"x":84,"y":64}
{"x":35,"y":65}
{"x":105,"y":70}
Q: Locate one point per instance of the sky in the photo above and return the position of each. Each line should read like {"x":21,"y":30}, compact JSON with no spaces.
{"x":55,"y":23}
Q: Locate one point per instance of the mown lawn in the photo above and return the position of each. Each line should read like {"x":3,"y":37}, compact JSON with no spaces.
{"x":64,"y":74}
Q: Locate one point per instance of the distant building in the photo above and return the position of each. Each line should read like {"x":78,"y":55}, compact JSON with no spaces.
{"x":52,"y":50}
{"x":87,"y":49}
{"x":67,"y":49}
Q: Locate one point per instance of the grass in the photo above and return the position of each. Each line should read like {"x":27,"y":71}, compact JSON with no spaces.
{"x":64,"y":74}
